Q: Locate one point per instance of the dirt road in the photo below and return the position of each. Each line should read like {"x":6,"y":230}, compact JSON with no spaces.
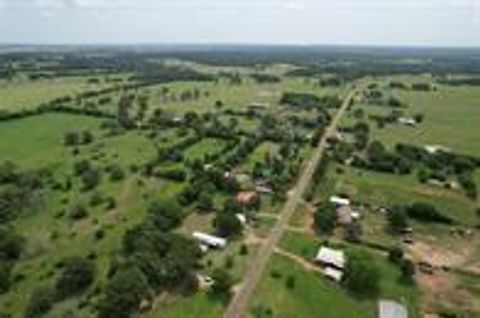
{"x":239,"y":303}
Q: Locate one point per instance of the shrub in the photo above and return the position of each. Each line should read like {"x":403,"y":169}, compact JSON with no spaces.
{"x":78,"y":273}
{"x":40,"y":302}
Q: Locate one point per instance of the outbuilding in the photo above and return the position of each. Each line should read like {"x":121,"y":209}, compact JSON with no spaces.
{"x":210,"y":240}
{"x":330,"y":257}
{"x":339,"y":201}
{"x":391,"y":309}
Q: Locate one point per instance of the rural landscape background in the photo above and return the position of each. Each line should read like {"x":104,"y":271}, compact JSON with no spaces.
{"x":148,"y":169}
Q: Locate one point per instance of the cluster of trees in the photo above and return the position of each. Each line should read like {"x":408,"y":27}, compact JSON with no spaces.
{"x":398,"y":216}
{"x":11,"y":246}
{"x":153,"y":259}
{"x":397,"y":256}
{"x":441,"y":165}
{"x":263,"y":78}
{"x":74,"y":138}
{"x":309,"y":101}
{"x":325,"y":218}
{"x":77,"y":274}
{"x":18,"y":190}
{"x":470,"y":81}
{"x":89,"y":174}
{"x":362,"y":275}
{"x":376,"y":96}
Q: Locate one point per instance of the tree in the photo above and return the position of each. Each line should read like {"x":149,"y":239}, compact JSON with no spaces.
{"x":166,"y":214}
{"x":354,"y":232}
{"x":227,"y":224}
{"x":5,"y":276}
{"x":11,"y":244}
{"x":205,"y":201}
{"x":325,"y":218}
{"x":116,"y":173}
{"x":223,"y":282}
{"x":395,"y":255}
{"x":290,"y":282}
{"x":362,"y":276}
{"x":71,"y":138}
{"x":425,"y":212}
{"x":408,"y":270}
{"x":78,"y":212}
{"x":40,"y":302}
{"x":78,"y":273}
{"x":397,"y":219}
{"x":87,"y":137}
{"x":124,"y":292}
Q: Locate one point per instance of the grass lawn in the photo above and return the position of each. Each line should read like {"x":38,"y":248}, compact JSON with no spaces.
{"x":193,"y":306}
{"x":37,"y":141}
{"x":390,"y":285}
{"x":312,"y":296}
{"x":258,"y":155}
{"x":204,"y":147}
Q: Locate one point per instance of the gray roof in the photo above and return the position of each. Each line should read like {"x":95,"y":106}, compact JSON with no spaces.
{"x":391,"y":309}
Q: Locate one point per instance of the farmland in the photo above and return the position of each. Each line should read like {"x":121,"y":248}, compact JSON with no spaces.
{"x":108,"y":169}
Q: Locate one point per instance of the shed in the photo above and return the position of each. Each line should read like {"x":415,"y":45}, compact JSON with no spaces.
{"x":336,"y":200}
{"x":210,"y":240}
{"x":407,"y":121}
{"x":333,"y":273}
{"x":391,"y":309}
{"x":331,"y":257}
{"x":344,"y":215}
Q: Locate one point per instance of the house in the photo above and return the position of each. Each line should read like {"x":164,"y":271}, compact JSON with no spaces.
{"x":245,"y":197}
{"x":338,"y":201}
{"x":407,"y":121}
{"x":391,"y":309}
{"x":210,"y":240}
{"x":330,"y":257}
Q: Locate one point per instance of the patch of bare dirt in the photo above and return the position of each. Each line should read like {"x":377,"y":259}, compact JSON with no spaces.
{"x":440,"y":256}
{"x":442,"y":287}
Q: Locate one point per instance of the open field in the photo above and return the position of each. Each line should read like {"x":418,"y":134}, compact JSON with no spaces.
{"x":138,"y":152}
{"x":25,"y":94}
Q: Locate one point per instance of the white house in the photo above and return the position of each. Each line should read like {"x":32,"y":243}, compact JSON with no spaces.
{"x":338,"y":201}
{"x":330,"y":257}
{"x":391,"y":309}
{"x":210,"y":240}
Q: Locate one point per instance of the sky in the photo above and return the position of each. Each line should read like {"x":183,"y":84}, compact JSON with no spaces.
{"x":444,"y":23}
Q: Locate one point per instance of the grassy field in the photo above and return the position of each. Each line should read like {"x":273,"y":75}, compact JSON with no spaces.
{"x":50,"y":234}
{"x":311,"y":296}
{"x":26,"y":94}
{"x":307,"y":246}
{"x":204,"y":147}
{"x":451,"y":115}
{"x":383,"y":189}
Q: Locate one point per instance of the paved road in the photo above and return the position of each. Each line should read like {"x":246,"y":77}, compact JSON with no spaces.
{"x":239,"y":303}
